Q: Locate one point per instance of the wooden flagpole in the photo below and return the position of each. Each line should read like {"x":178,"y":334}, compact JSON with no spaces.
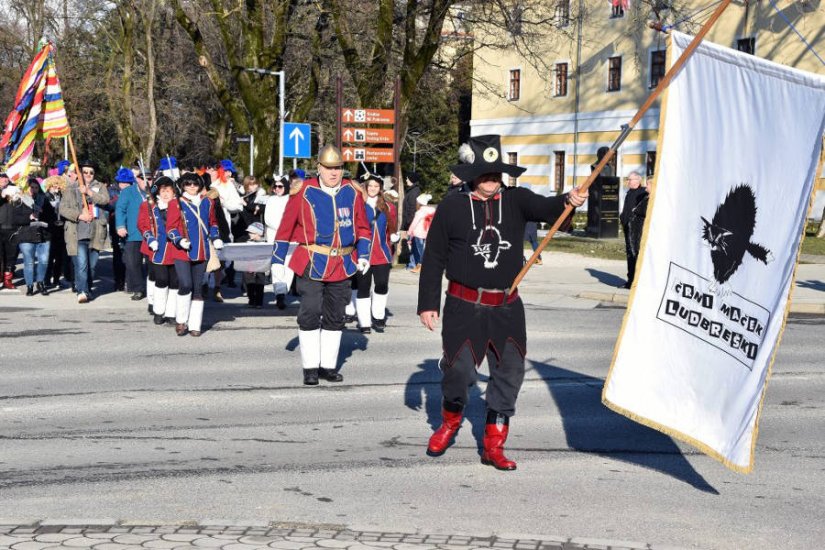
{"x":79,"y":174}
{"x":626,"y":129}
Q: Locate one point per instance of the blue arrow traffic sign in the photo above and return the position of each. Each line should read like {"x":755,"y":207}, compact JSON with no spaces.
{"x":296,"y":140}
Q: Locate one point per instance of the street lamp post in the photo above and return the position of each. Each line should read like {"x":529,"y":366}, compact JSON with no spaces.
{"x":281,"y":86}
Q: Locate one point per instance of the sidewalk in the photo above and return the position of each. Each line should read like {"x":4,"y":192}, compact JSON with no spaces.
{"x":106,"y":534}
{"x":598,"y":281}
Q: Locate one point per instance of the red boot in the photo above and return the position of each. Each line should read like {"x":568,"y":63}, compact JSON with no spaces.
{"x":442,"y":437}
{"x":7,"y":280}
{"x":495,"y":434}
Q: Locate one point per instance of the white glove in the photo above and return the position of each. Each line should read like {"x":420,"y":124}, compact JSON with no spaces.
{"x":185,"y":244}
{"x":218,"y":244}
{"x":153,"y":246}
{"x":278,"y":273}
{"x":395,"y":237}
{"x":363,"y":265}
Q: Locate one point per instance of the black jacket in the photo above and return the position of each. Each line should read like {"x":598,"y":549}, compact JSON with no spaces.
{"x":34,"y":232}
{"x":410,"y":195}
{"x":480,"y":244}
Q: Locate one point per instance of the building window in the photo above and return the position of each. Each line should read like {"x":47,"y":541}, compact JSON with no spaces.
{"x":747,"y":45}
{"x":562,"y":13}
{"x":650,"y":163}
{"x":657,"y":67}
{"x":617,"y":8}
{"x":614,"y":74}
{"x":558,"y":172}
{"x":561,"y":80}
{"x":515,"y":84}
{"x":512,"y":158}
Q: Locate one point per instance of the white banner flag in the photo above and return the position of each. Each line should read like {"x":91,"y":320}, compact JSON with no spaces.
{"x":739,"y":147}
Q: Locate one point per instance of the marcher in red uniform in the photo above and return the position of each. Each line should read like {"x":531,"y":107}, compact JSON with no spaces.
{"x":328,"y":221}
{"x":156,"y":246}
{"x":476,"y":238}
{"x":192,"y":223}
{"x":371,"y":303}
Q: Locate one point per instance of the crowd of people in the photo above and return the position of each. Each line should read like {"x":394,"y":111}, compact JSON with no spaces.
{"x":164,"y":227}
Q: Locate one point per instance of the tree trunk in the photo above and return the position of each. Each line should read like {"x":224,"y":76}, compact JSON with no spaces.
{"x":148,"y":27}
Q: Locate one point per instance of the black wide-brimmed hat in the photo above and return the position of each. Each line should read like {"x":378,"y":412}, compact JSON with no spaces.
{"x":485,"y":159}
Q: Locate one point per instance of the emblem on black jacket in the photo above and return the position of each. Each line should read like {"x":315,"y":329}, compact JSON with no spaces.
{"x":729,"y":234}
{"x":489,"y":245}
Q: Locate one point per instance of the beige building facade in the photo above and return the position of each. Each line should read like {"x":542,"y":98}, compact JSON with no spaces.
{"x":599,"y":70}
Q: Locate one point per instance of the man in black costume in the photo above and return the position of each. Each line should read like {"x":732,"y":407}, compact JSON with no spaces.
{"x":477,"y":238}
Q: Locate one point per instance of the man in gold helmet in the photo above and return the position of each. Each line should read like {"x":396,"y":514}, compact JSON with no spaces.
{"x":327,"y":219}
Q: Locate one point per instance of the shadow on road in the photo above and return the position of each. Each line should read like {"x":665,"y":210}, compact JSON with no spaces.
{"x":813,"y":285}
{"x":591,"y":427}
{"x":351,"y":340}
{"x":605,"y":278}
{"x":423,"y":389}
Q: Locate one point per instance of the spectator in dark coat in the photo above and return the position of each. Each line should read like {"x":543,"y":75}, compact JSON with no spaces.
{"x":33,"y":237}
{"x":630,"y":221}
{"x":410,"y":195}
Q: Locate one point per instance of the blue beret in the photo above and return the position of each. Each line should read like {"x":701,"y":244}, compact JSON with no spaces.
{"x":124,"y":175}
{"x":62,"y":166}
{"x":168,"y":163}
{"x":227,"y":165}
{"x":300,"y":173}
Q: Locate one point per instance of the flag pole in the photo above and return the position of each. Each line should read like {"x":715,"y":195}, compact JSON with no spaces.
{"x":626,"y":129}
{"x":77,"y":169}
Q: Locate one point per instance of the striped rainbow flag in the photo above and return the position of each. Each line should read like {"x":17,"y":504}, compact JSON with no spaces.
{"x":38,"y":113}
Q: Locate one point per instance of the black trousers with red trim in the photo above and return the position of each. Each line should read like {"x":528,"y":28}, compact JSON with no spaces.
{"x":506,"y":378}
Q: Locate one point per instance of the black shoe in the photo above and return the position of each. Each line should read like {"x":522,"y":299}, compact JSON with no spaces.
{"x":379,"y":324}
{"x":626,"y":285}
{"x":330,"y":375}
{"x":280,"y":301}
{"x":149,"y":308}
{"x":137,"y":296}
{"x":120,"y":287}
{"x":42,"y":289}
{"x":159,"y":320}
{"x":30,"y":290}
{"x":365,"y":330}
{"x":170,"y":321}
{"x":310,"y":377}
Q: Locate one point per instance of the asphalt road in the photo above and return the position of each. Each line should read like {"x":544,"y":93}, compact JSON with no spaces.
{"x":102,"y":414}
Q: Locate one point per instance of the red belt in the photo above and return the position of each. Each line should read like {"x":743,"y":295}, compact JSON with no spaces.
{"x":483,"y":296}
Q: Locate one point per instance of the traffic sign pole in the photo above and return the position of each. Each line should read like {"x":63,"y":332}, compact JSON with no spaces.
{"x":251,"y":154}
{"x":282,"y":89}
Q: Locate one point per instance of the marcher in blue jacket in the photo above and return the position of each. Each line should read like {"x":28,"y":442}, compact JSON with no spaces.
{"x":126,"y":219}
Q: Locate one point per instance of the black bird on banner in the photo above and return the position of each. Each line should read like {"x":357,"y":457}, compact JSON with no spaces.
{"x":729,"y":234}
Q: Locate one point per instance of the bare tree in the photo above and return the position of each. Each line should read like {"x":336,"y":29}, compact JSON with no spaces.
{"x":229,"y":38}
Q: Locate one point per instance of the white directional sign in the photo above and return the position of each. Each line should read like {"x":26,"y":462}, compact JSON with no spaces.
{"x":296,"y":140}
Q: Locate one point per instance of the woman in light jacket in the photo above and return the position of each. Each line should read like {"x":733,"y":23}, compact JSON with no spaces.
{"x":275,"y":205}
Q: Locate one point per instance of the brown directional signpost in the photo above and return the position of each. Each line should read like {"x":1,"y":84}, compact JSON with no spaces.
{"x":370,"y":135}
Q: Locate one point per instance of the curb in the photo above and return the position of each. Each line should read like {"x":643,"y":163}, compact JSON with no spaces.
{"x":87,"y":533}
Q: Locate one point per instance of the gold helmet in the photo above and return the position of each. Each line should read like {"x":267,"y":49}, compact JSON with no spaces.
{"x":330,"y":157}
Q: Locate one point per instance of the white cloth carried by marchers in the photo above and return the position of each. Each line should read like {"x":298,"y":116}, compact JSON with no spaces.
{"x":739,"y":150}
{"x":248,"y":257}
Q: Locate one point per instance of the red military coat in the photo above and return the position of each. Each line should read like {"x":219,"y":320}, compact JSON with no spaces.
{"x":332,"y":232}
